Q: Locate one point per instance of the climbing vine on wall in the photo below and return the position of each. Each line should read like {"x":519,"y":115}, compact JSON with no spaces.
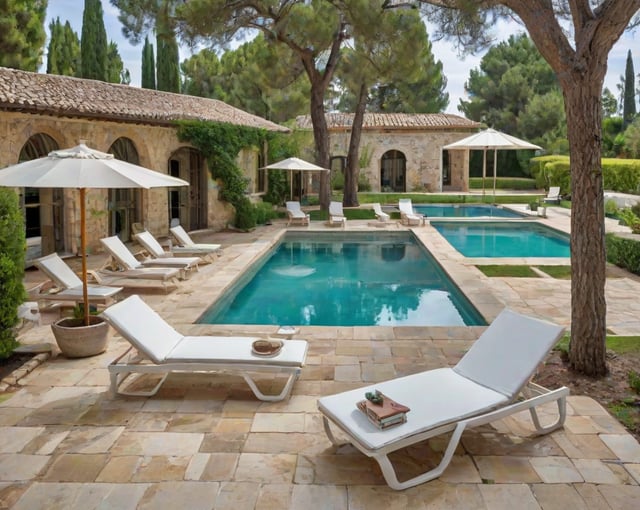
{"x":221,"y":143}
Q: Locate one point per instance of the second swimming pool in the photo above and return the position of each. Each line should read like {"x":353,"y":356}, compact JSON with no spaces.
{"x":465,"y":211}
{"x":503,"y":239}
{"x":345,"y":279}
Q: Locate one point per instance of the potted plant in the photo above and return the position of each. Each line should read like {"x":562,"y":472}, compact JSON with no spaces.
{"x":533,"y":205}
{"x":77,"y":340}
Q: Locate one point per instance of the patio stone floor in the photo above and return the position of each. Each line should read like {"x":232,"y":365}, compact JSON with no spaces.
{"x":205,"y":442}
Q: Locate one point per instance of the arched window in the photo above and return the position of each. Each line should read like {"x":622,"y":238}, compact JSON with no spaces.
{"x":393,"y":174}
{"x":124,"y":203}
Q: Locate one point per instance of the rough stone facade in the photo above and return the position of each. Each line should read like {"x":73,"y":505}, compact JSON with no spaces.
{"x":65,"y":111}
{"x":419,"y":138}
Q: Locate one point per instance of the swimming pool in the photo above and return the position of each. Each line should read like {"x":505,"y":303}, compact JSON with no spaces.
{"x":464,"y":211}
{"x":504,"y":239}
{"x":345,"y":279}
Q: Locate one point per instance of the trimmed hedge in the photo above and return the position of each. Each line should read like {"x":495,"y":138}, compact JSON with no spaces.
{"x":519,"y":183}
{"x":622,"y":175}
{"x":624,"y":252}
{"x":12,"y":253}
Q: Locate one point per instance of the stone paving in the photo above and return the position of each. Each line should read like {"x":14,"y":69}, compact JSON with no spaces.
{"x":205,"y":442}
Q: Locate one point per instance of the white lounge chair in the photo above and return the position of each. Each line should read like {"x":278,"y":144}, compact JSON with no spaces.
{"x":186,"y":243}
{"x":69,"y":283}
{"x":380,"y":214}
{"x":155,"y":250}
{"x":407,"y":215}
{"x":336,"y":214}
{"x":553,"y":195}
{"x":295,"y":214}
{"x":481,"y":388}
{"x":162,"y":350}
{"x":125,"y":259}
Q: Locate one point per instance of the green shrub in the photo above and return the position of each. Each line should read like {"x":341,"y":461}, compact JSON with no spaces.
{"x":12,"y":252}
{"x":363,"y":183}
{"x":245,"y":214}
{"x":264,"y":212}
{"x":337,"y":181}
{"x":503,"y":183}
{"x":634,"y":381}
{"x":623,"y":252}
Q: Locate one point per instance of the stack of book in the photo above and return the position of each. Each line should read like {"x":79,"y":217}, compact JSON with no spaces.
{"x":384,"y":414}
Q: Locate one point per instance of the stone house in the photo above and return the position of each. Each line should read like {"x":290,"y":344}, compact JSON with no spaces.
{"x":402,"y":152}
{"x":41,"y":112}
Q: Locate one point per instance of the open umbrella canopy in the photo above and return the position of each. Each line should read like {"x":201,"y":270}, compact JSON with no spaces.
{"x":83,"y":168}
{"x":491,"y":139}
{"x":296,"y":164}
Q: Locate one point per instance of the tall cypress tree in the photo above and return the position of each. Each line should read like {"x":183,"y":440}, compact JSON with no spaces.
{"x":168,"y":69}
{"x":93,"y":47}
{"x":63,"y":53}
{"x":148,"y":80}
{"x":629,"y":105}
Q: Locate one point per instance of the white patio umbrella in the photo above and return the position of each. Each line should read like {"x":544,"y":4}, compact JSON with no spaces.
{"x":295,"y":164}
{"x":83,"y":168}
{"x":490,"y":139}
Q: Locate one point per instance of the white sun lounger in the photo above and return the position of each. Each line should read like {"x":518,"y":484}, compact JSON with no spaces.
{"x":380,"y":214}
{"x":161,"y":349}
{"x":407,"y":215}
{"x":70,"y":284}
{"x":295,"y":214}
{"x":125,"y":259}
{"x":481,"y":388}
{"x":336,"y":214}
{"x":553,"y":195}
{"x":187,"y":244}
{"x":155,"y":249}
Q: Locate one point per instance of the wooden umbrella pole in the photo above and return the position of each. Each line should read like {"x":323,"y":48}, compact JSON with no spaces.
{"x":83,"y":254}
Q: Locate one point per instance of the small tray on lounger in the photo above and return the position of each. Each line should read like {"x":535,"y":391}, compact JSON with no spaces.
{"x":266,"y":348}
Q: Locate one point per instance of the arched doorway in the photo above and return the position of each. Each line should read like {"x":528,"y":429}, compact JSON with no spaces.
{"x":393,"y":172}
{"x":43,"y":208}
{"x":188,"y":204}
{"x":124,"y":204}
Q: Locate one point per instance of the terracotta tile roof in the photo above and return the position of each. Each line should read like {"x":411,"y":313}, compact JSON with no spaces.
{"x":73,"y":97}
{"x":392,"y":121}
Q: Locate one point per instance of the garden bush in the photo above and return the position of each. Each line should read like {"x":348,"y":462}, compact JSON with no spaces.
{"x":12,"y":253}
{"x":623,"y":252}
{"x":503,"y":183}
{"x":622,"y":175}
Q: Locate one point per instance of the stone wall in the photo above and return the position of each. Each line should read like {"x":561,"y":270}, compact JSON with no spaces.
{"x":155,"y":146}
{"x":423,"y":153}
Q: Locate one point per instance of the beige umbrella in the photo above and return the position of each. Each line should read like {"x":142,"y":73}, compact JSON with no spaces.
{"x":83,"y":168}
{"x":491,"y":139}
{"x":295,"y":164}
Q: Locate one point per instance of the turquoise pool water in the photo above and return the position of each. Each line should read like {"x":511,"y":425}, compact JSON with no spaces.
{"x":464,"y":211}
{"x":506,"y":239}
{"x":345,"y":279}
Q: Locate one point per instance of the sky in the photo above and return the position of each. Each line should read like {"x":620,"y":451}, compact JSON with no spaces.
{"x":455,"y":68}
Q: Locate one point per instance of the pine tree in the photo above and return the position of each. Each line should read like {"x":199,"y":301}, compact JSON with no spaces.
{"x":22,"y":34}
{"x":148,"y":80}
{"x":93,"y":45}
{"x":629,"y":104}
{"x":63,"y":53}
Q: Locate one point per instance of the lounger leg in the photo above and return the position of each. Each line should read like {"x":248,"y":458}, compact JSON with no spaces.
{"x":562,"y":414}
{"x":272,"y":398}
{"x":117,"y":379}
{"x":389,"y":472}
{"x":330,"y":435}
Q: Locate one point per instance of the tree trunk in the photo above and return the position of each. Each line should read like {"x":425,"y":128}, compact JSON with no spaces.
{"x":588,"y":261}
{"x":353,"y":158}
{"x":321,"y":139}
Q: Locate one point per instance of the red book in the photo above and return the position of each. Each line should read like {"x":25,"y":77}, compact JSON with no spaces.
{"x":388,"y":413}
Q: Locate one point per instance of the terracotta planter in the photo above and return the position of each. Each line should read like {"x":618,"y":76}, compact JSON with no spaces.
{"x":76,"y":340}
